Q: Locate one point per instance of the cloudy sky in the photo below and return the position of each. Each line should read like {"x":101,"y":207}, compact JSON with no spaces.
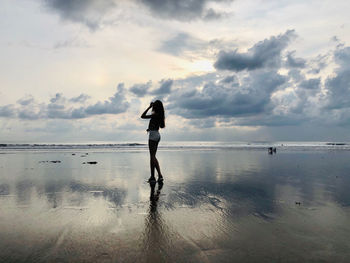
{"x":226,"y":70}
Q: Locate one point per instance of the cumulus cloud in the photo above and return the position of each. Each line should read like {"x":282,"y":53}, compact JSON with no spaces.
{"x":7,"y":111}
{"x":293,"y":62}
{"x":311,"y":84}
{"x":265,"y":96}
{"x":26,"y":100}
{"x":211,"y":14}
{"x":143,"y":89}
{"x":28,"y":114}
{"x":114,"y":105}
{"x":217,"y":99}
{"x":230,"y":80}
{"x":58,"y":98}
{"x":164,"y":88}
{"x":59,"y":107}
{"x":338,"y":86}
{"x":203,"y":123}
{"x":92,"y":13}
{"x":87,"y":12}
{"x":296,"y":75}
{"x":264,"y":54}
{"x":80,"y":99}
{"x":271,"y":120}
{"x":180,"y":43}
{"x":190,"y":47}
{"x":196,"y":80}
{"x":183,"y":10}
{"x":140,"y":90}
{"x":319,"y":63}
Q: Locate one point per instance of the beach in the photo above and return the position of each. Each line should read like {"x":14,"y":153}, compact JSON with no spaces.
{"x":217,"y":204}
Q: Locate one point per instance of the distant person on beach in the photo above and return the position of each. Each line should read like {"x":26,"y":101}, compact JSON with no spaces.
{"x":157,"y":120}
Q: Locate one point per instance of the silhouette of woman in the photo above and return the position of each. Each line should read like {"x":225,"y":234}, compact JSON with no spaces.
{"x":157,"y":120}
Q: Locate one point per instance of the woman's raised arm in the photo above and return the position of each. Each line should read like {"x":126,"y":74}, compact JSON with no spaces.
{"x":144,"y":114}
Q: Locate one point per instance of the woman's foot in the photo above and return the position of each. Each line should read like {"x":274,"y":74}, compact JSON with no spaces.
{"x":160,"y":179}
{"x":152,"y":179}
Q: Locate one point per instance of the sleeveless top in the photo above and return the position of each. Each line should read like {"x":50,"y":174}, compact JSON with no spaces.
{"x":154,"y":123}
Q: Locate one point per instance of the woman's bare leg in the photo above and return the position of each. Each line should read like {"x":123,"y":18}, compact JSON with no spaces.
{"x":153,"y":146}
{"x":158,"y":168}
{"x":152,"y":151}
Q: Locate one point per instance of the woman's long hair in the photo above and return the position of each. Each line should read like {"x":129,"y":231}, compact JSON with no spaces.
{"x":159,"y":110}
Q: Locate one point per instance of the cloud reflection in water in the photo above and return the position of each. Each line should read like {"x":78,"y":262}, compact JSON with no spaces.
{"x":214,"y":205}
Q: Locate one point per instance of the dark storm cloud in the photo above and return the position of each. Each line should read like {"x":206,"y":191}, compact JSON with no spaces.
{"x":143,"y":89}
{"x":271,"y":120}
{"x":164,"y":88}
{"x":252,"y":97}
{"x":203,"y":123}
{"x":183,"y":10}
{"x":293,"y":62}
{"x":232,"y":80}
{"x":228,"y":79}
{"x":92,"y":13}
{"x":342,"y":58}
{"x":339,"y":90}
{"x":88,"y":12}
{"x":264,"y":54}
{"x":211,"y":14}
{"x":140,"y":90}
{"x":338,"y":86}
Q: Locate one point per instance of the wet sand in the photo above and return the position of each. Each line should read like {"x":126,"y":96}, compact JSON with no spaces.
{"x":214,"y":206}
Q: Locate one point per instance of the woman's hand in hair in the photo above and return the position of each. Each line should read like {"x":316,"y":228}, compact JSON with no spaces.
{"x":144,"y":114}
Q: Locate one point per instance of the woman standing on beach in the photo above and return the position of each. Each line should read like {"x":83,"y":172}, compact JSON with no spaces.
{"x":157,"y":120}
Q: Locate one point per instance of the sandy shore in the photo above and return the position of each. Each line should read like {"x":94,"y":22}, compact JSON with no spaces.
{"x":214,"y":206}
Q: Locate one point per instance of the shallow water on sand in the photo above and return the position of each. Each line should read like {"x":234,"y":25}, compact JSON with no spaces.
{"x":214,"y":206}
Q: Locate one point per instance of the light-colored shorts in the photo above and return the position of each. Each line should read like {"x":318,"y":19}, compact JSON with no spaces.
{"x":154,"y":136}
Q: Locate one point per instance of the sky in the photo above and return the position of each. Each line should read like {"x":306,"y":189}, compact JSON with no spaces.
{"x":226,"y":70}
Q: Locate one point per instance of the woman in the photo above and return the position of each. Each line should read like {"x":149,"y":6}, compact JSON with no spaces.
{"x":157,"y":120}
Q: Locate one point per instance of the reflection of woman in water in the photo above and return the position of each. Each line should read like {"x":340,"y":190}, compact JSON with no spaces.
{"x":155,"y":239}
{"x":157,"y":120}
{"x":159,"y":240}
